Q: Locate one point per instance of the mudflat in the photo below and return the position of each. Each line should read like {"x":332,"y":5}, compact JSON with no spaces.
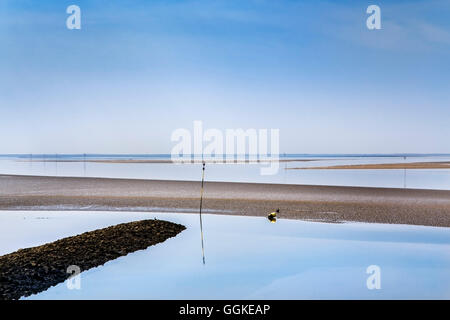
{"x":321,"y":203}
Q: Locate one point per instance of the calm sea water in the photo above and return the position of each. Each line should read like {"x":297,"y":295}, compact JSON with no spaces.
{"x":248,"y":258}
{"x":425,"y":179}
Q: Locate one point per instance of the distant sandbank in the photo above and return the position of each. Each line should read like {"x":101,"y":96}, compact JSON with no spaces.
{"x":411,"y":165}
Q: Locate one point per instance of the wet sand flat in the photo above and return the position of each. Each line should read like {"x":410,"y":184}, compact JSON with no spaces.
{"x":321,"y":203}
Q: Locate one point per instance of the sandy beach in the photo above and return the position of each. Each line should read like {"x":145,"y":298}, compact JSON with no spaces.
{"x":319,"y":203}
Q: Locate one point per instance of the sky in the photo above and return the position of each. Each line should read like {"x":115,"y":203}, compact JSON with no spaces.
{"x":138,"y":70}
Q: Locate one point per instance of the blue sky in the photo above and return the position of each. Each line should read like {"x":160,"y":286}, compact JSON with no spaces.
{"x":137,"y":70}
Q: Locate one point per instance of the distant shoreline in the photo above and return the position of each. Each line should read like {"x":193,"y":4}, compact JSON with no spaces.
{"x":318,"y":203}
{"x":193,"y":161}
{"x":375,"y":166}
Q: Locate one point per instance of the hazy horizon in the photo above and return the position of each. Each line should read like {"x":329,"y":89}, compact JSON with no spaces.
{"x":281,"y":154}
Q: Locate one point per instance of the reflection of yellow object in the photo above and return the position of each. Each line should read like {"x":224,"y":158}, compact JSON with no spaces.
{"x":272,"y":219}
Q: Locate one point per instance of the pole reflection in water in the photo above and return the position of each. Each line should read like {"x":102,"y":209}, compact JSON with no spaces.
{"x":201,"y":202}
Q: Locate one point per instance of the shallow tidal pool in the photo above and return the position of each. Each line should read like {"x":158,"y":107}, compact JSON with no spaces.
{"x":248,"y":258}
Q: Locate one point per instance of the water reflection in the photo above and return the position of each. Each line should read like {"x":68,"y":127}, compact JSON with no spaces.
{"x":200,"y":213}
{"x":272,"y":219}
{"x":250,"y":258}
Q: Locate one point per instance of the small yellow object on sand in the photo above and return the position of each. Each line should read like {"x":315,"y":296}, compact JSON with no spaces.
{"x":273,"y":216}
